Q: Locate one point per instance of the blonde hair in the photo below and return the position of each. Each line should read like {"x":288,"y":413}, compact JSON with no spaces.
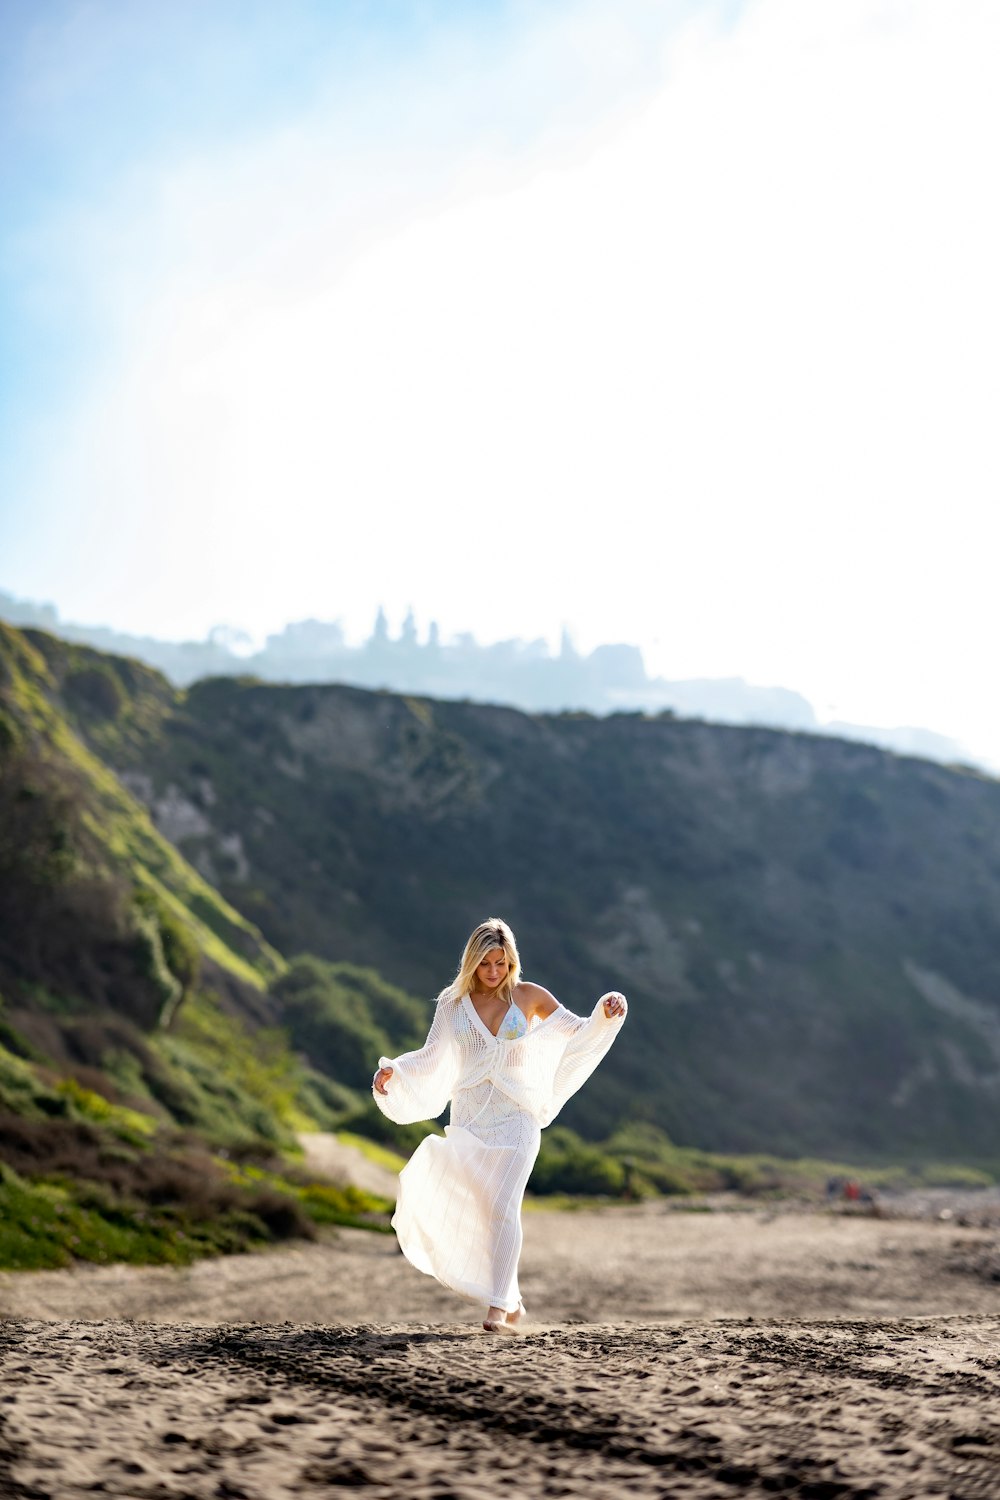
{"x":493,"y":933}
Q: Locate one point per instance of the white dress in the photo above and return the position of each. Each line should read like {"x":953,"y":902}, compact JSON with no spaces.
{"x":458,"y":1215}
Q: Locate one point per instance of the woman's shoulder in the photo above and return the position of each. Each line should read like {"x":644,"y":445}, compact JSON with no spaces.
{"x":534,"y":999}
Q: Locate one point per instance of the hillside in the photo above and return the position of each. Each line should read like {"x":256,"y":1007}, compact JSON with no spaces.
{"x":808,"y":929}
{"x":139,"y":1059}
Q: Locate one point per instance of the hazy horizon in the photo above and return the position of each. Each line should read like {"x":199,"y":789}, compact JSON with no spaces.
{"x":535,"y":676}
{"x":670,"y":324}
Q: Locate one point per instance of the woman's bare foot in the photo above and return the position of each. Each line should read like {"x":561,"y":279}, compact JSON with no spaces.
{"x":496,"y":1321}
{"x":499,"y":1321}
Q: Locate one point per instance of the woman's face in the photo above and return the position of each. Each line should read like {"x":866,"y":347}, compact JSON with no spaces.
{"x":493,"y":970}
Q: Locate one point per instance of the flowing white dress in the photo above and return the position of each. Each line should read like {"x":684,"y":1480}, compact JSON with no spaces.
{"x":458,"y":1214}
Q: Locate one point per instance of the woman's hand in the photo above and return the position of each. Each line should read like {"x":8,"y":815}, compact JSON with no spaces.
{"x":614,"y":1004}
{"x":380,"y":1080}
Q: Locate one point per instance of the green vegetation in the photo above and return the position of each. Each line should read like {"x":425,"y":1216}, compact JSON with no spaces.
{"x":807,"y":931}
{"x":45,"y":1225}
{"x":325,"y":1203}
{"x":765,"y":899}
{"x":70,"y":831}
{"x":170,"y":1209}
{"x":89,"y":1179}
{"x":345,"y":1017}
{"x":639,"y":1161}
{"x":568,"y":1165}
{"x":134,"y":1069}
{"x":243,"y":1089}
{"x":129,"y":1125}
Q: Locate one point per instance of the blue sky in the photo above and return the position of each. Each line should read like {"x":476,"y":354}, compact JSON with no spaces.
{"x":673,"y":323}
{"x":94,"y":94}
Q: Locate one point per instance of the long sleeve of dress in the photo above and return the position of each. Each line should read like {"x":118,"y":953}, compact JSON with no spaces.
{"x":423,"y":1081}
{"x":587,"y":1040}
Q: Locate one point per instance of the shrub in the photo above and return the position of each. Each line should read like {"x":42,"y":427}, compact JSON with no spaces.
{"x":95,"y":690}
{"x":566,"y":1164}
{"x":368,"y":1120}
{"x":243,"y":1085}
{"x":330,"y":1021}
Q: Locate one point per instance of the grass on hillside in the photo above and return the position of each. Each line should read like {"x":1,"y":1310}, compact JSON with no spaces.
{"x":117,"y":824}
{"x":640,"y":1161}
{"x":169,"y":1210}
{"x":87,"y":1179}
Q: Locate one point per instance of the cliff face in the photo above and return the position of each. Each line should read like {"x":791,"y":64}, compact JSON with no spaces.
{"x":808,"y":929}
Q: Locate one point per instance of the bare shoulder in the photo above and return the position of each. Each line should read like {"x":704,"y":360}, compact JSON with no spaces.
{"x":534,"y":999}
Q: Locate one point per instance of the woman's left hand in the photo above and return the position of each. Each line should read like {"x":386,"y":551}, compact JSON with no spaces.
{"x":614,"y":1004}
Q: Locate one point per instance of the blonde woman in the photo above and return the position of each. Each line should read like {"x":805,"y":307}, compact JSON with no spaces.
{"x":507,"y":1056}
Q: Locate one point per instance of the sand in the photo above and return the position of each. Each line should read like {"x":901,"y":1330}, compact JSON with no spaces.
{"x":667,"y":1354}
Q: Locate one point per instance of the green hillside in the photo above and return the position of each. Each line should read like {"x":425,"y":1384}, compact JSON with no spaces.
{"x":808,"y":929}
{"x":148,"y":1100}
{"x":156,"y":1055}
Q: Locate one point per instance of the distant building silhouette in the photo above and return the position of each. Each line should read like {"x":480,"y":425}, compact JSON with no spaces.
{"x":611,"y":678}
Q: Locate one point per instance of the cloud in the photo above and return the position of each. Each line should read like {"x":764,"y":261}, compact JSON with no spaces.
{"x":715,"y":369}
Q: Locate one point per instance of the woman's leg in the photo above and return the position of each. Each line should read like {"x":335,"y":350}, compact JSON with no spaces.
{"x":508,"y":1179}
{"x":508,"y":1141}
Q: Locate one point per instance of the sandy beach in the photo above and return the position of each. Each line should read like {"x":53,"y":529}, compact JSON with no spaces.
{"x":666,"y":1353}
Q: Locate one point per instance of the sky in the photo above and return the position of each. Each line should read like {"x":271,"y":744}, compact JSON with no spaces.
{"x":674,"y":323}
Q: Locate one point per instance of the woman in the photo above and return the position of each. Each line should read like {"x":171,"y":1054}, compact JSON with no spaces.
{"x":508,"y":1056}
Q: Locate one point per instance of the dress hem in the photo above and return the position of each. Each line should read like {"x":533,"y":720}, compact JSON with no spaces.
{"x":415,"y":1255}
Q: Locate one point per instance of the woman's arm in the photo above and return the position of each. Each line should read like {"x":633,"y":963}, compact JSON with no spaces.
{"x":586,"y":1041}
{"x":534,"y":1000}
{"x":421,"y":1081}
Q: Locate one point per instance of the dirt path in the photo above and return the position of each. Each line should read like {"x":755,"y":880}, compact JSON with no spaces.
{"x":328,"y":1156}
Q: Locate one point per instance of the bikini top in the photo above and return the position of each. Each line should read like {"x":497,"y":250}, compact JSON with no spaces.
{"x":513,"y":1025}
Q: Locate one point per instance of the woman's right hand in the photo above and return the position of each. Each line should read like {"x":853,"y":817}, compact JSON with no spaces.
{"x":381,"y":1079}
